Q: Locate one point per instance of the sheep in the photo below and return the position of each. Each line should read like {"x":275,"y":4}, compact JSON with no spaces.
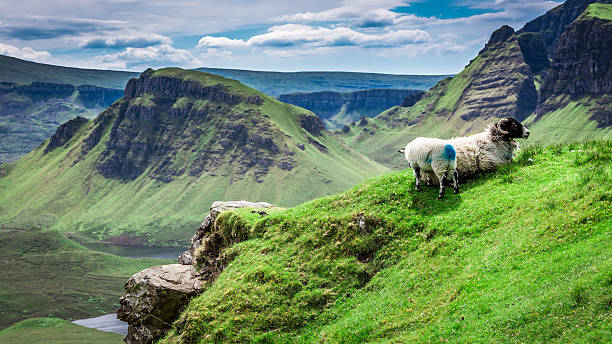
{"x":484,"y":151}
{"x":432,"y":155}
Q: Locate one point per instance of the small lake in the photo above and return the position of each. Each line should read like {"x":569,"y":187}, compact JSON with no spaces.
{"x":109,"y":322}
{"x":136,"y":251}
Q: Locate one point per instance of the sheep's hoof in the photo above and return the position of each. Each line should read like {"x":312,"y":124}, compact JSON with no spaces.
{"x":417,"y":188}
{"x":441,"y":195}
{"x":456,"y":191}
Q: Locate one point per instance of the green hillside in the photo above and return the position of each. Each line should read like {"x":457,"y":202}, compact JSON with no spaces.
{"x":44,"y":274}
{"x":24,"y":72}
{"x":55,"y":331}
{"x":495,"y":84}
{"x":522,"y":255}
{"x":553,"y":74}
{"x":570,"y":123}
{"x":150,"y":166}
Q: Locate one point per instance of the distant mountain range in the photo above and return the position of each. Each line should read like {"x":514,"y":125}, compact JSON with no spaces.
{"x":277,"y":83}
{"x":36,"y":98}
{"x":341,"y":108}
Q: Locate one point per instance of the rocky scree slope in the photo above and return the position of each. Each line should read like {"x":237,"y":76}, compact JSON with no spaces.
{"x":147,"y":166}
{"x":522,"y":254}
{"x":338,"y":109}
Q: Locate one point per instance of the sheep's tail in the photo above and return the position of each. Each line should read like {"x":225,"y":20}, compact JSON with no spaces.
{"x":402,"y":150}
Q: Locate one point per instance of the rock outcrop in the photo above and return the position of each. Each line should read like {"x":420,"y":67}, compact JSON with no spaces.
{"x":155,"y":297}
{"x":581,"y":68}
{"x":65,"y":132}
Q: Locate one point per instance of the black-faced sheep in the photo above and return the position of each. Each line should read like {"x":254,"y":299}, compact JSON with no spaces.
{"x":430,"y":155}
{"x":484,"y":151}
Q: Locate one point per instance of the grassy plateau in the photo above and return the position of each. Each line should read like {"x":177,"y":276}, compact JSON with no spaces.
{"x":522,"y":255}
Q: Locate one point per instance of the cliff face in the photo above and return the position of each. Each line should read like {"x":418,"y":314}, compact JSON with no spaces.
{"x":162,"y":119}
{"x":343,"y":108}
{"x":30,"y":113}
{"x":581,"y":68}
{"x":503,"y":85}
{"x":552,"y":24}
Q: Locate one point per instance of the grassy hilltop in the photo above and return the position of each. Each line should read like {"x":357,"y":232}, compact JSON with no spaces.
{"x":521,"y":255}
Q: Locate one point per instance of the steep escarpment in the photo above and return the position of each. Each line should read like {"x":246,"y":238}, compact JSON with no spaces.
{"x":154,"y":108}
{"x":553,"y":24}
{"x":147,"y":166}
{"x":30,"y":113}
{"x":339,"y":108}
{"x":581,"y":67}
{"x":497,"y":83}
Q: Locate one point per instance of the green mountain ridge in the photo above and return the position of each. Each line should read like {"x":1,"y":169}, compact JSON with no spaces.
{"x":520,"y":255}
{"x":568,"y":97}
{"x":149,"y":166}
{"x":36,"y":98}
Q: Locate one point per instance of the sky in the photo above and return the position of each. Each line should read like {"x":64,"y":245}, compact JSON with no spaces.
{"x":379,"y":36}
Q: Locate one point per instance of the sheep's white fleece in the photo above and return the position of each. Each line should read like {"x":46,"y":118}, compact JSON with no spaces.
{"x":482,"y":152}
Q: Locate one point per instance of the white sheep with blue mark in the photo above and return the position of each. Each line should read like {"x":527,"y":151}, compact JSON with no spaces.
{"x":427,"y":155}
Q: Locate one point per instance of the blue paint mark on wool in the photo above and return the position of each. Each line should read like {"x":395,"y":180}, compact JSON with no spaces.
{"x":428,"y":160}
{"x":449,"y":152}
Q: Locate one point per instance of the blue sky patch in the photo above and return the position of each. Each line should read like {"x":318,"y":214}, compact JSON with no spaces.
{"x":441,"y":9}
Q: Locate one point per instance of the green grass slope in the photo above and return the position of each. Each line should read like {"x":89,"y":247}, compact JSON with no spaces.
{"x":63,"y":189}
{"x":24,"y":72}
{"x":570,"y":123}
{"x":44,"y":274}
{"x":522,"y":255}
{"x":55,"y":331}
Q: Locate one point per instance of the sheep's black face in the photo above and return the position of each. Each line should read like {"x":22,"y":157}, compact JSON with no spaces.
{"x":512,"y":129}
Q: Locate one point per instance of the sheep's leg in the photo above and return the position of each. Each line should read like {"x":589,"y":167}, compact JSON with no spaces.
{"x":428,"y":180}
{"x":442,"y":179}
{"x":417,"y":176}
{"x":456,"y":181}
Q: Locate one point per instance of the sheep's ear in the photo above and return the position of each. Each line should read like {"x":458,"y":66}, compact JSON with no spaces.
{"x":501,"y":125}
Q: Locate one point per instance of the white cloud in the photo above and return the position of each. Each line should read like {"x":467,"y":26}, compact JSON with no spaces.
{"x":124,"y":41}
{"x":290,"y":35}
{"x":363,"y":13}
{"x":150,"y":56}
{"x":26,"y":53}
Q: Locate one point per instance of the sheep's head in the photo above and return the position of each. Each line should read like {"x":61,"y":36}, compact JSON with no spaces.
{"x":510,"y":129}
